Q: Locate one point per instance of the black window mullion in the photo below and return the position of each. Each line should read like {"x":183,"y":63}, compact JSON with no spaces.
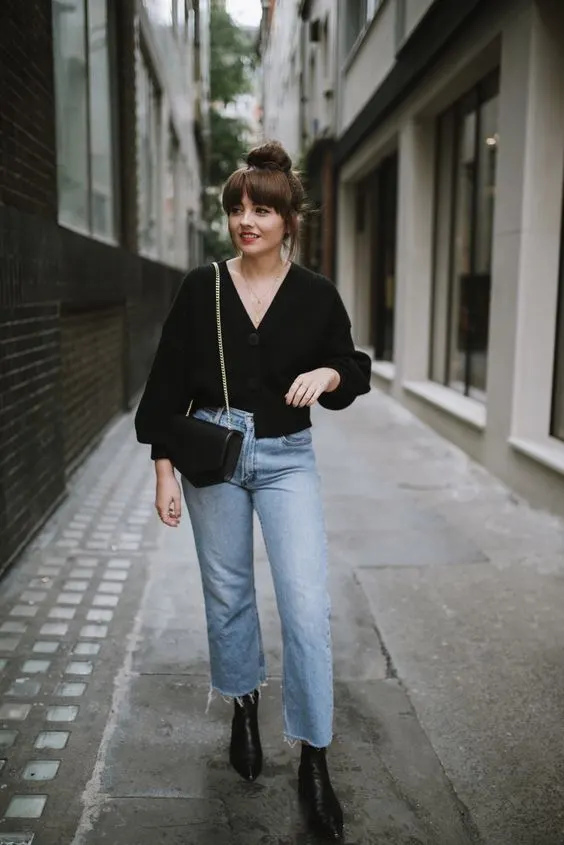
{"x":438,"y":142}
{"x":452,"y":237}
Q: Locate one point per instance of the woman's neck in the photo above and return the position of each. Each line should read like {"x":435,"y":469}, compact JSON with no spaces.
{"x":262,"y":266}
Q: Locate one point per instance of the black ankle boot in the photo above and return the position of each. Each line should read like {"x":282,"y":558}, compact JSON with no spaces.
{"x":245,"y":753}
{"x":324,"y":811}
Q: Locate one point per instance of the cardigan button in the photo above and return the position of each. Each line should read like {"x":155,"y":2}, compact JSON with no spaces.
{"x":254,"y":339}
{"x":253,"y":383}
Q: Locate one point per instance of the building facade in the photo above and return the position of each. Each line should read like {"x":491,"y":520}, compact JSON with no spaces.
{"x":449,"y":174}
{"x":280,"y":74}
{"x":102,"y":139}
{"x":299,"y":52}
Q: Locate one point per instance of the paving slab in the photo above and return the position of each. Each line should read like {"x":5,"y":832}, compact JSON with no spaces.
{"x":187,"y":821}
{"x":480,"y":652}
{"x":165,"y":746}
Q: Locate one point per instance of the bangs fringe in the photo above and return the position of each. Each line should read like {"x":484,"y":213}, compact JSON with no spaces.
{"x":262,"y":186}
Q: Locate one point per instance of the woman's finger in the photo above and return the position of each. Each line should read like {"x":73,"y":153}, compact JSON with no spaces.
{"x":315,"y":396}
{"x":306,"y":399}
{"x":292,"y":392}
{"x":168,"y":517}
{"x":174,"y":507}
{"x":300,"y":393}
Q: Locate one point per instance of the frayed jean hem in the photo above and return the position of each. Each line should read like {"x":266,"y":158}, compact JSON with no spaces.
{"x":230,"y":697}
{"x":292,"y":741}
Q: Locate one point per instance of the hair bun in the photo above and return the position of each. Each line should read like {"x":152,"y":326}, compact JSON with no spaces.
{"x":270,"y":156}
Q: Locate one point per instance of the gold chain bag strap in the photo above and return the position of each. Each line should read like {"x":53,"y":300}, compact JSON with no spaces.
{"x":220,"y":342}
{"x":204,"y":452}
{"x":219,"y":345}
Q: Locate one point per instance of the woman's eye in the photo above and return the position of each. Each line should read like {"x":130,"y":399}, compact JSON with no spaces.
{"x":262,"y":210}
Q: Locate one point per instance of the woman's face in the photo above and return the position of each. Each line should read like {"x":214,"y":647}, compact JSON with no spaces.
{"x":255,"y":229}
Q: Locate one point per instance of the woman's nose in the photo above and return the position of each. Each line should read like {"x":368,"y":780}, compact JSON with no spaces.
{"x":246,"y":217}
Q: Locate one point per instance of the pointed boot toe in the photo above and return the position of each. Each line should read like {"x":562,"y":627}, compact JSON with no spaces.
{"x":324,"y":811}
{"x":245,"y":751}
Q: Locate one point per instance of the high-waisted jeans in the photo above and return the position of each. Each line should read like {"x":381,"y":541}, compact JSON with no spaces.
{"x":277,"y":478}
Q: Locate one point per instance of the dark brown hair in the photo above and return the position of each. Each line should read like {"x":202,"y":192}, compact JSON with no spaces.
{"x":268,"y":179}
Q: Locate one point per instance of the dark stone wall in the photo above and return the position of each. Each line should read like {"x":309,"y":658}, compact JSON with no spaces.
{"x":79,"y":319}
{"x":28,"y":174}
{"x":79,"y":324}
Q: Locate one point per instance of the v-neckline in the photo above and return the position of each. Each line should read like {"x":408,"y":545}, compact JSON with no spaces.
{"x":276,"y":296}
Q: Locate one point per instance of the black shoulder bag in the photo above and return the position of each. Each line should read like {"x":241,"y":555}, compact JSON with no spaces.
{"x":205,"y":453}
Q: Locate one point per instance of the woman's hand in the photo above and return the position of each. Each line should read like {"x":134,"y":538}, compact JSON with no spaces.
{"x":307,"y":388}
{"x":167,"y":501}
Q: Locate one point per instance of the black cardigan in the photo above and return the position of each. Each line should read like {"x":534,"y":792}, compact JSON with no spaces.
{"x":305,"y":327}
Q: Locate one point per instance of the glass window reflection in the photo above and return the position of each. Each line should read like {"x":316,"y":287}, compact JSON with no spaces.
{"x":85,"y":157}
{"x":466,"y":176}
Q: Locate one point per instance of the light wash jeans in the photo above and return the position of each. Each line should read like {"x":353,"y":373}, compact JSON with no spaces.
{"x":276,"y":477}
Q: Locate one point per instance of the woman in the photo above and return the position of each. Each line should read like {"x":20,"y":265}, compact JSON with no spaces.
{"x":287,"y":346}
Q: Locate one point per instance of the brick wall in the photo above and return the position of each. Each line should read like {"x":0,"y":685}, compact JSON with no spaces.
{"x":92,"y":363}
{"x":79,"y":323}
{"x":31,"y":473}
{"x":28,"y":175}
{"x":79,"y":319}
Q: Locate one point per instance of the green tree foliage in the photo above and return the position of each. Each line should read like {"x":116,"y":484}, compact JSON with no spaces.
{"x":217,"y":241}
{"x":231,"y":63}
{"x":231,"y":57}
{"x":227,"y":146}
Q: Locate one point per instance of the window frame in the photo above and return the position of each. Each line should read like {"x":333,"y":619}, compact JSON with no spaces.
{"x":385,"y":198}
{"x":471,"y":101}
{"x":111,"y":34}
{"x":372,"y":8}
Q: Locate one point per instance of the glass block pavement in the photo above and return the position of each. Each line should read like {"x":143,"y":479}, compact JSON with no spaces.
{"x":61,"y":607}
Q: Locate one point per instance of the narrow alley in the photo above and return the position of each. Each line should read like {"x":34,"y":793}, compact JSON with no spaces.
{"x":447,"y":593}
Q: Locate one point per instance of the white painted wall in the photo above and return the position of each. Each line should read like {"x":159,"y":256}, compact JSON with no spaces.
{"x":281,"y":67}
{"x":171,"y":57}
{"x":511,"y":433}
{"x":368,"y":64}
{"x":320,"y":69}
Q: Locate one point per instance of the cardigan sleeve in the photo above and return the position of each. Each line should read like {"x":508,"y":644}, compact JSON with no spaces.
{"x":166,"y":387}
{"x":353,"y":366}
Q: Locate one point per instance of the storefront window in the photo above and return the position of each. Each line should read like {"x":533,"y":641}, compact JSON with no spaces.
{"x":85,"y":156}
{"x":384,"y":216}
{"x":466,"y":173}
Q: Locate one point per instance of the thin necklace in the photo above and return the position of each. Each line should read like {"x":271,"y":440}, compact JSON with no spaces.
{"x":259,"y":311}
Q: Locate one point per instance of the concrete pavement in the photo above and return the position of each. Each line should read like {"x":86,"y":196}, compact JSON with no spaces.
{"x":447,"y":593}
